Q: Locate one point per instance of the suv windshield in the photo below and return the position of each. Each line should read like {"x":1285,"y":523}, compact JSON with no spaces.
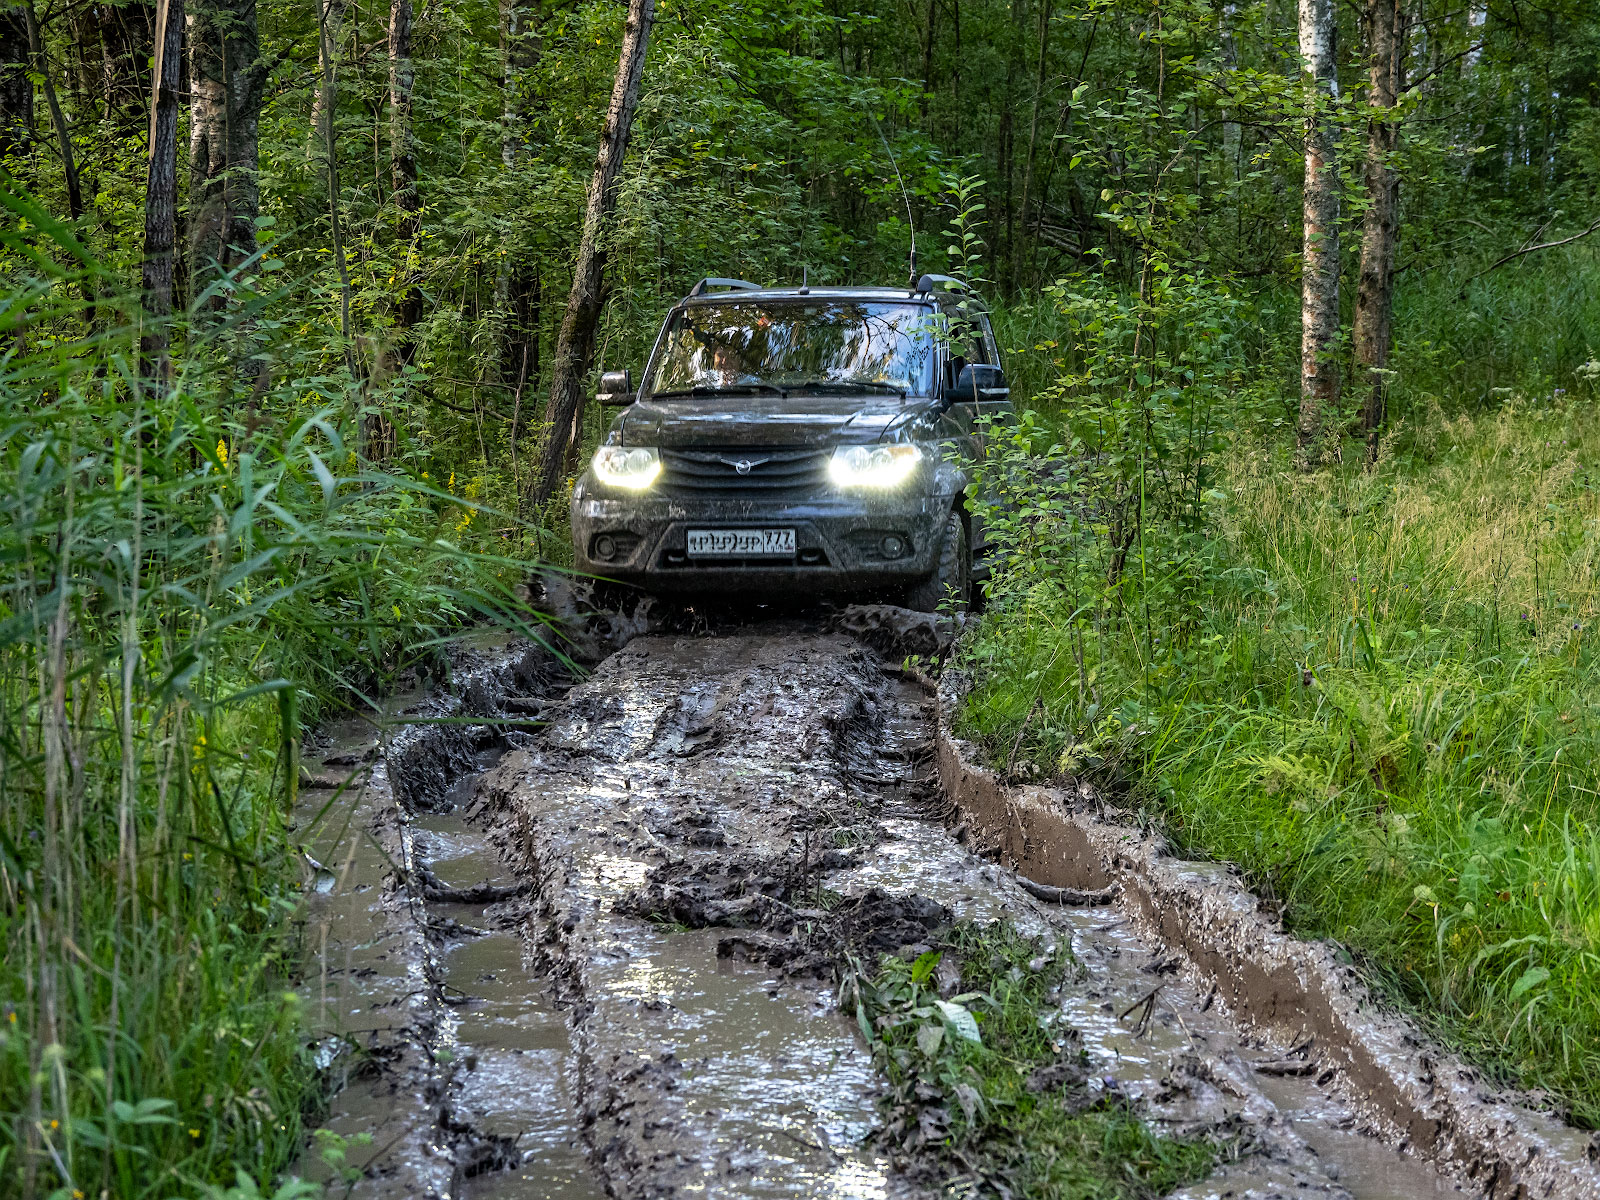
{"x":850,"y":345}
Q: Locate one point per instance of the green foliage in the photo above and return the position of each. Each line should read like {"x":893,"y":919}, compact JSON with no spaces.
{"x":959,"y":1070}
{"x":188,"y":582}
{"x":1378,"y":698}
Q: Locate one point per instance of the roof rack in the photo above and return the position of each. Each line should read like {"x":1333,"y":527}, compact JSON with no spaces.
{"x":712,"y":281}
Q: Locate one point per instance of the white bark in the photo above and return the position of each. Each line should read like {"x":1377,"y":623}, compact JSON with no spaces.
{"x":1319,"y":280}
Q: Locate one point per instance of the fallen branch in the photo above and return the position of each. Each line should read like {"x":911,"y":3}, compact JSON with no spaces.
{"x":1286,"y":1068}
{"x":1515,"y":254}
{"x":1063,"y":895}
{"x":435,"y":890}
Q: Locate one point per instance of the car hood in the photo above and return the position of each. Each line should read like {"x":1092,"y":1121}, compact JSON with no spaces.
{"x":764,"y":420}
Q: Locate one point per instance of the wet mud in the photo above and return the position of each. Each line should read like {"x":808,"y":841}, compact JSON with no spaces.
{"x":1390,"y":1114}
{"x":581,"y":939}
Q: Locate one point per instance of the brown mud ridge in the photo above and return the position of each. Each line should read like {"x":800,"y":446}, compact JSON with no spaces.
{"x":572,"y":940}
{"x":1377,"y":1066}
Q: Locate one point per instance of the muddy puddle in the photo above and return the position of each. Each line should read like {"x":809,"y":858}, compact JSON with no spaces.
{"x":596,"y":956}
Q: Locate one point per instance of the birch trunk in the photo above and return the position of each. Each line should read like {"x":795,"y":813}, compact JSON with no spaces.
{"x":575,"y":344}
{"x":329,"y":38}
{"x":226,"y":78}
{"x":1380,"y":225}
{"x":1319,"y":279}
{"x":161,"y":191}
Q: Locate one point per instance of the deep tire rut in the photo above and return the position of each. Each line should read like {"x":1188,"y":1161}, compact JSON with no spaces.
{"x":625,"y":980}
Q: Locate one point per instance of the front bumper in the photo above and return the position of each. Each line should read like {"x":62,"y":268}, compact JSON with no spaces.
{"x":855,"y":542}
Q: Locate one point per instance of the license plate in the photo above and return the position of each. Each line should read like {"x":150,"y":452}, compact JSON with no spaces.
{"x":741,"y":543}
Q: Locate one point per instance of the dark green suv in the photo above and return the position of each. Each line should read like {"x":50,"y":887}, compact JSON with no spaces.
{"x":797,"y":441}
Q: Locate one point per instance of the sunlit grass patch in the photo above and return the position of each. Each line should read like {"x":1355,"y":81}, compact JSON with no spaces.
{"x":1381,"y":698}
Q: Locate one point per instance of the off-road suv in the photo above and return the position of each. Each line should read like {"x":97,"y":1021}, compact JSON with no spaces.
{"x":797,"y":441}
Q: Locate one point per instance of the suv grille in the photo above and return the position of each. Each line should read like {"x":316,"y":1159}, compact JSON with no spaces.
{"x":769,"y":470}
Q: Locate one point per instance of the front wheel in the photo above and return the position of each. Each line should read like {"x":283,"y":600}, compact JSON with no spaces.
{"x":951,"y":577}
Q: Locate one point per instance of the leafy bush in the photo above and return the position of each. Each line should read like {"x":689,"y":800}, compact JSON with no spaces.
{"x":963,"y":1098}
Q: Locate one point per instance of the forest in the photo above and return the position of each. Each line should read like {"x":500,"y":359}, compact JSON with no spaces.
{"x":305,"y":306}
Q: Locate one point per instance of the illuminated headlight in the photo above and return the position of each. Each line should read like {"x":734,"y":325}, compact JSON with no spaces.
{"x":632,"y":467}
{"x":873,"y":466}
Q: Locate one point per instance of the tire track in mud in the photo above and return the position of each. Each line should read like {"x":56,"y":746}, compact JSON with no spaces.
{"x":678,"y":862}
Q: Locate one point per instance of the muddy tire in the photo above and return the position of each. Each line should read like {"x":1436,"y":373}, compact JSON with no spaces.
{"x":951,"y":577}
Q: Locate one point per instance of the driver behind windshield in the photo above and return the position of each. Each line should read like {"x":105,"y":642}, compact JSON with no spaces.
{"x":780,"y":347}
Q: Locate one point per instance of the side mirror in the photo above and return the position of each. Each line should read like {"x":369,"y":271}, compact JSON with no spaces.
{"x":977,"y":383}
{"x":616,"y":389}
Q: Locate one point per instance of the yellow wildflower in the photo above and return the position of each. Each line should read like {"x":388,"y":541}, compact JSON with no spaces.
{"x":222,"y":451}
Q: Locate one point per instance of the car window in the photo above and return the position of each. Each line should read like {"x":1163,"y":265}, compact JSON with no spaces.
{"x":794,"y":344}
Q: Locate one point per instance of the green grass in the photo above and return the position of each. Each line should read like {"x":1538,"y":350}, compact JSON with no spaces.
{"x":1378,"y":693}
{"x":958,"y":1104}
{"x":189,"y":576}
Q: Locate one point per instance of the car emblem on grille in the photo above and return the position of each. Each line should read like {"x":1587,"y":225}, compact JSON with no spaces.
{"x":744,"y":465}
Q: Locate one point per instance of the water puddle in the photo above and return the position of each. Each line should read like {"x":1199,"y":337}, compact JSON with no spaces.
{"x":506,"y":1024}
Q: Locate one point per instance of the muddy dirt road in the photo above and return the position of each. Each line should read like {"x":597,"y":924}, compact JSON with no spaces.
{"x":582,"y":941}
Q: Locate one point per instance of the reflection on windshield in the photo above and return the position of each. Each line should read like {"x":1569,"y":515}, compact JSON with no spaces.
{"x":844,"y":344}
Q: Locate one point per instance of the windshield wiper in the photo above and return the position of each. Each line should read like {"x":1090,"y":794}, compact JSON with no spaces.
{"x":848,"y":385}
{"x":701,"y":389}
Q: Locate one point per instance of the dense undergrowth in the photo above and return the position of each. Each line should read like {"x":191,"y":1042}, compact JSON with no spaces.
{"x":988,"y":1093}
{"x":1376,"y":690}
{"x":189,"y":577}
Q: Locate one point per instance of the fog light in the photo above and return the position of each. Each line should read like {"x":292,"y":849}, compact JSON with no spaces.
{"x":605,"y":546}
{"x":892,"y":546}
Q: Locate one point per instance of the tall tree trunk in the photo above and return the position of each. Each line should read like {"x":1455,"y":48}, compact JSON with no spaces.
{"x":16,"y":89}
{"x":379,"y":431}
{"x":41,"y":65}
{"x":161,"y":191}
{"x":1380,"y":226}
{"x":329,"y":38}
{"x":1319,"y":278}
{"x":226,"y":79}
{"x":575,"y":344}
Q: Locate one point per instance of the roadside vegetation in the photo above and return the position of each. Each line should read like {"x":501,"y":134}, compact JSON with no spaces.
{"x":987,"y":1094}
{"x":185,"y":591}
{"x":1375,"y":688}
{"x":299,"y":315}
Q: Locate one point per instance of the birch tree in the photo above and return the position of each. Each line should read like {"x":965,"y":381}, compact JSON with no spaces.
{"x":575,"y":343}
{"x":226,"y":82}
{"x":1319,"y":272}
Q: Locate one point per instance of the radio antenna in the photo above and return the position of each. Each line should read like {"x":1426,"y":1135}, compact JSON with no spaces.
{"x":904,"y":195}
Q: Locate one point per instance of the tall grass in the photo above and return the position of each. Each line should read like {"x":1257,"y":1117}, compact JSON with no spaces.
{"x":190,"y":572}
{"x":1376,"y":691}
{"x":1389,"y":714}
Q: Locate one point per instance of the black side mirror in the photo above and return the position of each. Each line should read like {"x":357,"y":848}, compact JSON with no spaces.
{"x":616,"y":389}
{"x":977,"y":383}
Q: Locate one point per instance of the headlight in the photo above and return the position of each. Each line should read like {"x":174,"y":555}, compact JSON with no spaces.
{"x":873,"y":466}
{"x":631,"y":467}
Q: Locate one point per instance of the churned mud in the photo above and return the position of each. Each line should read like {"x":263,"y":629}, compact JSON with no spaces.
{"x":572,"y":940}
